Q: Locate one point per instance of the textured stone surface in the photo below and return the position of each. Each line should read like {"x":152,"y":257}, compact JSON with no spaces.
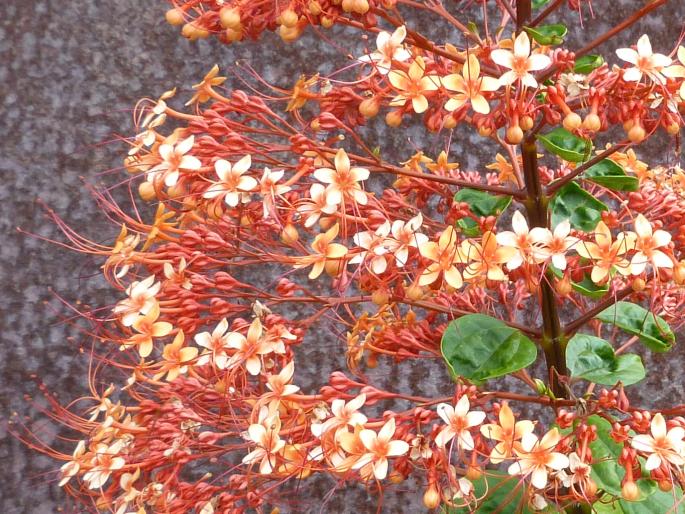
{"x":70,"y":72}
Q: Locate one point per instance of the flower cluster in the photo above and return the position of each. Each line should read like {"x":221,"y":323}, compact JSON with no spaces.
{"x":274,"y":219}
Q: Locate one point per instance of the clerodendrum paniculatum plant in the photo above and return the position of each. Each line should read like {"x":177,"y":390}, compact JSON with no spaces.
{"x":273,"y":214}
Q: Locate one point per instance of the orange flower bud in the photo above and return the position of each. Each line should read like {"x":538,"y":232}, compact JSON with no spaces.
{"x":174,"y":16}
{"x":527,"y":123}
{"x":637,"y":134}
{"x":289,"y":235}
{"x":514,"y":135}
{"x":147,"y":191}
{"x":630,"y":491}
{"x":431,"y":498}
{"x":289,"y":18}
{"x":393,"y":119}
{"x":229,"y":17}
{"x":572,"y":121}
{"x":592,"y":122}
{"x":369,"y":107}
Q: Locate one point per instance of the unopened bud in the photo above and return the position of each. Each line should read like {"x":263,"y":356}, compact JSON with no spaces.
{"x":514,"y":135}
{"x":174,"y":17}
{"x":380,"y":297}
{"x":289,"y":18}
{"x":572,"y":121}
{"x":369,"y":107}
{"x":289,"y":235}
{"x":394,"y":119}
{"x":637,"y":134}
{"x":229,"y":17}
{"x":147,"y":191}
{"x":431,"y":498}
{"x":630,"y":491}
{"x":592,"y":122}
{"x":526,"y":123}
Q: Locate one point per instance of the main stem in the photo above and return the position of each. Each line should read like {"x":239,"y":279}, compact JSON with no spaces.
{"x":552,"y":341}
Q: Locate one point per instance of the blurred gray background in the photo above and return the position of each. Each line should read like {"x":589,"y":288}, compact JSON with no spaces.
{"x":70,"y":73}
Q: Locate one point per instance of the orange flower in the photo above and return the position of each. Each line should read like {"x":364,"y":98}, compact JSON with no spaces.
{"x":485,"y":258}
{"x":204,"y":88}
{"x":147,"y":327}
{"x":469,"y":87}
{"x":413,"y":85}
{"x":176,"y":358}
{"x":445,"y":255}
{"x":325,"y":251}
{"x":605,"y":253}
{"x":506,"y":433}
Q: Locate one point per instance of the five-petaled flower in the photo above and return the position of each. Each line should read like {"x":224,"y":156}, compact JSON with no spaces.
{"x":647,"y":244}
{"x":469,"y":87}
{"x":507,"y":433}
{"x":537,"y":457}
{"x":606,"y":253}
{"x":663,"y":445}
{"x":389,"y":48}
{"x":520,"y":62}
{"x":444,"y":255}
{"x":265,"y":434}
{"x":459,"y":419}
{"x":379,"y":446}
{"x":343,"y":181}
{"x":324,"y":251}
{"x":644,"y":61}
{"x":413,"y":85}
{"x":174,"y":159}
{"x":233,"y":184}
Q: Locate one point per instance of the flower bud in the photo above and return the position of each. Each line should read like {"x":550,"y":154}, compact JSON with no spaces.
{"x":665,"y":485}
{"x":637,"y":134}
{"x":638,"y":284}
{"x":527,"y":123}
{"x":630,"y":491}
{"x":473,"y":473}
{"x":174,"y":16}
{"x":431,"y":498}
{"x":414,"y":292}
{"x":289,"y":34}
{"x":369,"y":107}
{"x":672,"y":129}
{"x":394,"y":119}
{"x":229,"y":17}
{"x":327,"y":21}
{"x":563,"y":286}
{"x":147,"y":191}
{"x":334,"y":267}
{"x":572,"y":121}
{"x":314,"y":8}
{"x":289,"y":235}
{"x":514,"y":135}
{"x":679,"y":273}
{"x":289,"y":18}
{"x":380,"y":297}
{"x":592,"y":122}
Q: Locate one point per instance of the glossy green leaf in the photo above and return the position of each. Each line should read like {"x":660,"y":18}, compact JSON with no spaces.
{"x":482,"y":203}
{"x":659,"y":501}
{"x":612,"y":176}
{"x":652,"y":330}
{"x":587,"y":63}
{"x":469,"y":227}
{"x":566,"y":145}
{"x":593,"y":359}
{"x":479,"y":347}
{"x":573,"y":203}
{"x":548,"y":34}
{"x":498,"y":492}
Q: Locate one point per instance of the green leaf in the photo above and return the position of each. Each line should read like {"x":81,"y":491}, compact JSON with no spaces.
{"x":469,"y":227}
{"x":605,"y":451}
{"x":563,"y":143}
{"x":482,"y":203}
{"x":593,"y":359}
{"x":480,"y":347}
{"x":652,"y":330}
{"x":612,"y":176}
{"x":499,"y":493}
{"x":548,"y":34}
{"x":537,"y":4}
{"x":586,"y":287}
{"x":659,"y":501}
{"x":587,"y":63}
{"x":573,"y":203}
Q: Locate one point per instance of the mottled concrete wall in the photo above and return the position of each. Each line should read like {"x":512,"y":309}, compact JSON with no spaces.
{"x":70,"y":71}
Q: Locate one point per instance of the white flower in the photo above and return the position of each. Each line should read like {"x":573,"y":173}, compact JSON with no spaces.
{"x":522,"y":239}
{"x":174,"y":159}
{"x":389,"y":49}
{"x":232,"y":184}
{"x":644,"y":61}
{"x":459,"y":420}
{"x":537,"y":457}
{"x":216,"y":345}
{"x":555,"y":244}
{"x":405,"y":236}
{"x":372,"y":243}
{"x":662,"y":445}
{"x":380,"y":446}
{"x":647,"y":244}
{"x":344,"y":414}
{"x":520,"y":62}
